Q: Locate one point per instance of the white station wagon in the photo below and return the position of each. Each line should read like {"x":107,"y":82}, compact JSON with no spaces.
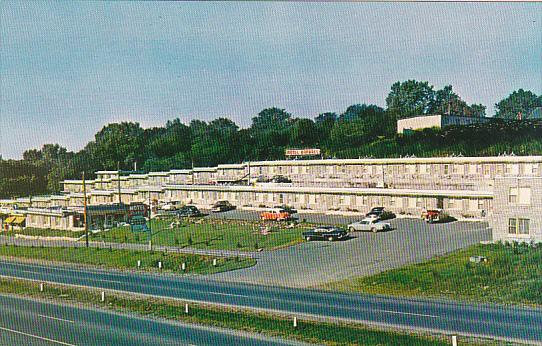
{"x":369,"y":224}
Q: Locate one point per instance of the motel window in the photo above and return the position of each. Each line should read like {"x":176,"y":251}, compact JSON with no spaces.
{"x":518,"y":226}
{"x":446,"y":169}
{"x":419,"y":202}
{"x":520,"y":195}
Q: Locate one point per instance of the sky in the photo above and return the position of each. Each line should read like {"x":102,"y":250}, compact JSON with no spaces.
{"x":69,"y":68}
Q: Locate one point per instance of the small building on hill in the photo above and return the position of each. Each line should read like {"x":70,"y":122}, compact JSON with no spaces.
{"x":436,"y":120}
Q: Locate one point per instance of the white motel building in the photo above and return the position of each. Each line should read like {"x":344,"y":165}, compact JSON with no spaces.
{"x":504,"y":190}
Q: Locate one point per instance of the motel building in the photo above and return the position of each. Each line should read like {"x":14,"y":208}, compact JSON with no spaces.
{"x":494,"y":189}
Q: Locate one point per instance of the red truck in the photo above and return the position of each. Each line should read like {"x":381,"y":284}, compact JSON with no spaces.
{"x":275,"y":215}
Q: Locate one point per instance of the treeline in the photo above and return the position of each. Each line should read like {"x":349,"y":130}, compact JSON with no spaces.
{"x":360,"y":131}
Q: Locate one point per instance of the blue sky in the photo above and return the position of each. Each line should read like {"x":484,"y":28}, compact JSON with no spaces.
{"x":67,"y":69}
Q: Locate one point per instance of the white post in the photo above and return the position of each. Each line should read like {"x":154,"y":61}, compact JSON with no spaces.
{"x":160,"y":265}
{"x":41,"y":287}
{"x":454,"y":340}
{"x":186,"y":308}
{"x":103,"y":296}
{"x":183,"y":266}
{"x":214,"y":262}
{"x":295,"y":322}
{"x":139,"y":263}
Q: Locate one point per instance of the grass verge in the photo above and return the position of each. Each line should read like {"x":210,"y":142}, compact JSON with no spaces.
{"x":127,"y":259}
{"x":210,"y":234}
{"x":512,"y":275}
{"x":45,"y":232}
{"x":264,"y":323}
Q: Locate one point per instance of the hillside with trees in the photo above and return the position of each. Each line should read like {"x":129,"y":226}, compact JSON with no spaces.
{"x":362,"y":130}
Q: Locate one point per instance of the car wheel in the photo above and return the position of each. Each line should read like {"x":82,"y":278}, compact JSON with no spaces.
{"x":308,"y":238}
{"x":329,"y":238}
{"x":351,"y":229}
{"x":373,"y":229}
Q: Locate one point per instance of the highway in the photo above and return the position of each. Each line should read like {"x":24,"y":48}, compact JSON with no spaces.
{"x":510,"y":323}
{"x":30,"y":322}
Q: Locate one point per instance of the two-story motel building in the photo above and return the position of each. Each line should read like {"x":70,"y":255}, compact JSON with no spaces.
{"x":465,"y":187}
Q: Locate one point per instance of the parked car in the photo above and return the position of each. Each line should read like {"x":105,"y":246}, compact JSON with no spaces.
{"x":287,"y":209}
{"x":275,"y":215}
{"x":376,"y":211}
{"x":189,"y":211}
{"x":369,"y":224}
{"x":169,"y":206}
{"x":431,"y":215}
{"x":280,"y":179}
{"x":329,"y":233}
{"x":222,"y":206}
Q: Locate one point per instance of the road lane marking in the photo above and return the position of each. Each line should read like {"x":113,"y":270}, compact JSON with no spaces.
{"x":56,"y":318}
{"x":408,"y":313}
{"x":37,"y":337}
{"x":228,"y":294}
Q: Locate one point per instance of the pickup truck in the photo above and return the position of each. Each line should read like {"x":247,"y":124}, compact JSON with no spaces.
{"x":369,"y":224}
{"x":329,"y":233}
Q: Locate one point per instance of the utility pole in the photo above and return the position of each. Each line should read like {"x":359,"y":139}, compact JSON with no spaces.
{"x":149,"y":227}
{"x":118,"y":181}
{"x":85,"y":209}
{"x":248,"y":180}
{"x":192,"y":171}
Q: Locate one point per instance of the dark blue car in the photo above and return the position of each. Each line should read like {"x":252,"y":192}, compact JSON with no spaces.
{"x":329,"y":233}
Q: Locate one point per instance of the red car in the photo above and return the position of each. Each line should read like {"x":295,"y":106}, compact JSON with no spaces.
{"x":431,"y":215}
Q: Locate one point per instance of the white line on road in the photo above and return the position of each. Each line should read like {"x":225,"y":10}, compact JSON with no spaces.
{"x":56,"y":318}
{"x":408,"y":313}
{"x":228,"y":294}
{"x":37,"y":337}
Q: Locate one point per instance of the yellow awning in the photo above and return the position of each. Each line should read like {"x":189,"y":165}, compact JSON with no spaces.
{"x":10,"y":219}
{"x":19,"y":220}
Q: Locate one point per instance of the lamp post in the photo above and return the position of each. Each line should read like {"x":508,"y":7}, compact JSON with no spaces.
{"x":85,"y":209}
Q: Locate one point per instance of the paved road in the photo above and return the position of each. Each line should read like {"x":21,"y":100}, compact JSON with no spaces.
{"x":487,"y":320}
{"x":30,"y":322}
{"x":315,"y":263}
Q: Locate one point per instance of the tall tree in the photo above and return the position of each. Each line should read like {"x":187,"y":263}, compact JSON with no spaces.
{"x":519,"y":104}
{"x":118,"y":143}
{"x":410,"y":98}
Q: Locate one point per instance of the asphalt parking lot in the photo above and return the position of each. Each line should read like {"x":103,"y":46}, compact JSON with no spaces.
{"x":314,"y":263}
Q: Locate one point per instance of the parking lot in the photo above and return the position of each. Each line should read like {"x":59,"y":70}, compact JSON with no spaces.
{"x":314,"y":263}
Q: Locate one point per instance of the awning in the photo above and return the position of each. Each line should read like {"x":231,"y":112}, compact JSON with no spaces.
{"x":10,"y":219}
{"x":19,"y":220}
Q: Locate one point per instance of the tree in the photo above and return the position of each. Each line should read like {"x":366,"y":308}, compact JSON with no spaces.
{"x":410,"y":98}
{"x":271,"y":118}
{"x":303,"y":133}
{"x":519,"y":104}
{"x":446,"y":101}
{"x":118,"y":143}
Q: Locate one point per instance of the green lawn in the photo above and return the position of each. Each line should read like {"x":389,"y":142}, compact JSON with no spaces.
{"x":45,"y":232}
{"x":127,"y":259}
{"x":513,"y":274}
{"x":230,"y":318}
{"x":210,"y":234}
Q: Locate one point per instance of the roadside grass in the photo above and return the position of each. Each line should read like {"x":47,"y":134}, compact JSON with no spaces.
{"x":512,"y":275}
{"x":44,"y":232}
{"x":264,"y":323}
{"x":127,"y":259}
{"x":210,"y":234}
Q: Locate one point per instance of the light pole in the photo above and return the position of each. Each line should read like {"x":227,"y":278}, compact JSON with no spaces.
{"x":150,"y":216}
{"x":85,"y":209}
